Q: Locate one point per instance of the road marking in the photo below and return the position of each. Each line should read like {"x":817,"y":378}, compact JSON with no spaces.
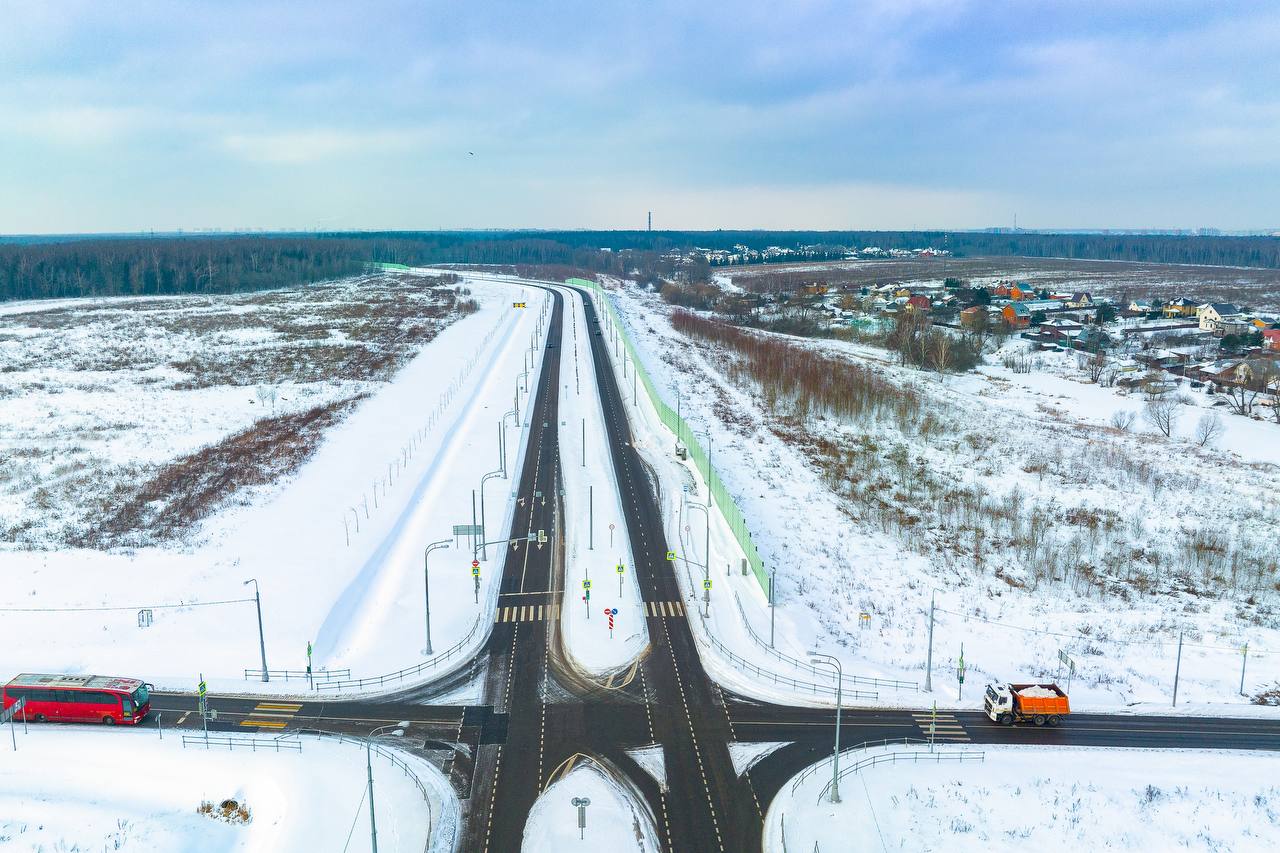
{"x":946,"y":727}
{"x":272,"y":715}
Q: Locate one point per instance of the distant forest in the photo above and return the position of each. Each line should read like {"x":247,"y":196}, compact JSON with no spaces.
{"x":50,"y":267}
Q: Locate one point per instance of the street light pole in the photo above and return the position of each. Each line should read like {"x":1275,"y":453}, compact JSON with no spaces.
{"x":368,"y":765}
{"x":262,"y":643}
{"x":426,"y":584}
{"x":484,"y":551}
{"x":835,"y":756}
{"x":706,"y":552}
{"x":707,"y":433}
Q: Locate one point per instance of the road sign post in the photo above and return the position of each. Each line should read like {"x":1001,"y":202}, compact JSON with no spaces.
{"x":611,"y":534}
{"x":610,"y":612}
{"x":581,"y":804}
{"x":310,"y":683}
{"x":475,"y":575}
{"x":1243,"y":662}
{"x":622,"y":570}
{"x":586,"y":596}
{"x":960,"y":675}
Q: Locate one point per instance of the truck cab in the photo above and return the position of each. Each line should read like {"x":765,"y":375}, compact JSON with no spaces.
{"x":998,"y":703}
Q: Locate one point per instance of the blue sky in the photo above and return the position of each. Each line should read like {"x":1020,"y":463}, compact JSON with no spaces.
{"x":911,"y":113}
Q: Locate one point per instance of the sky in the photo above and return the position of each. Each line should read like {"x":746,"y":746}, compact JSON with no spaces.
{"x":135,"y":116}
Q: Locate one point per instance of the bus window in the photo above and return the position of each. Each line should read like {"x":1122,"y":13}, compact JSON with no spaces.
{"x":127,"y":705}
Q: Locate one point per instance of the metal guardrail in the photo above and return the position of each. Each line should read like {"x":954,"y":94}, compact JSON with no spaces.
{"x":254,"y":744}
{"x":408,"y":672}
{"x":892,"y":684}
{"x":378,"y":749}
{"x":859,"y":748}
{"x":747,"y":666}
{"x":914,"y":757}
{"x":298,"y":674}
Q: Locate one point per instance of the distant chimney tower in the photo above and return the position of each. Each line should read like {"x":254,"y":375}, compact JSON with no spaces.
{"x":650,"y":220}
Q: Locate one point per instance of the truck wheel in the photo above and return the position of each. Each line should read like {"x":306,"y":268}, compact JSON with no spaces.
{"x":1054,"y":719}
{"x":1039,"y":719}
{"x":1006,"y":719}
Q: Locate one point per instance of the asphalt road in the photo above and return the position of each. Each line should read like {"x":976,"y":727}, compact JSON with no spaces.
{"x":540,"y":718}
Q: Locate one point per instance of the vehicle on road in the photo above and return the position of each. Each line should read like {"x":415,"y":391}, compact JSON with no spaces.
{"x":79,"y":698}
{"x":1041,"y":704}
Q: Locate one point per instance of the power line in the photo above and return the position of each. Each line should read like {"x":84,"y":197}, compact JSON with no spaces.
{"x":1079,"y":636}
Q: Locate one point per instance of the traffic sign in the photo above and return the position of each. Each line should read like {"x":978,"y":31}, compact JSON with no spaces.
{"x":706,"y":584}
{"x":621,"y":568}
{"x":475,"y":571}
{"x":475,"y":564}
{"x":517,"y":305}
{"x":586,"y":584}
{"x":202,"y":689}
{"x":671,"y":555}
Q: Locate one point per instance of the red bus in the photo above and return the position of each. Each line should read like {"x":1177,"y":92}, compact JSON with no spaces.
{"x":80,"y":698}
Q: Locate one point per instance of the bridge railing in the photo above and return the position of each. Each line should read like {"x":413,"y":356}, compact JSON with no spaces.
{"x":400,"y":675}
{"x":298,"y":674}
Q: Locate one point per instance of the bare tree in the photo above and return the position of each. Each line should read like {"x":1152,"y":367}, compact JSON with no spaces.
{"x":1123,"y":420}
{"x":1269,"y":379}
{"x":1162,"y":413}
{"x":1209,"y":429}
{"x":1242,"y":395}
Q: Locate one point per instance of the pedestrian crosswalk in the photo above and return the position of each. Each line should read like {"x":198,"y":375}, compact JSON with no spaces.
{"x":663,"y":609}
{"x":945,"y":726}
{"x":529,"y":613}
{"x":272,"y":715}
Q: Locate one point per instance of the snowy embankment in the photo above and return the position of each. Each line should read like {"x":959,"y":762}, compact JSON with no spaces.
{"x":856,"y":571}
{"x":336,"y":549}
{"x":77,"y":788}
{"x":597,"y":540}
{"x":1066,"y":798}
{"x":616,"y":818}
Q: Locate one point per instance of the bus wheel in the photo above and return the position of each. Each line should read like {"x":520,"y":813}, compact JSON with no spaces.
{"x":108,"y":721}
{"x":1039,"y":719}
{"x":41,"y":718}
{"x":1054,"y":720}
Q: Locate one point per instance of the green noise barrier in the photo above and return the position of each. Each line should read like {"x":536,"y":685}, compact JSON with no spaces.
{"x":719,"y":495}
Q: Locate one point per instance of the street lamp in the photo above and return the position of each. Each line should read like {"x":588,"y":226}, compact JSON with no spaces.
{"x":706,"y":551}
{"x":484,"y":548}
{"x":816,"y":659}
{"x":262,"y":643}
{"x":426,"y":584}
{"x":368,"y":763}
{"x":502,"y":433}
{"x":707,"y":432}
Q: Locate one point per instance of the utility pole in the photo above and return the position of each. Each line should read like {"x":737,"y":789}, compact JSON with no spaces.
{"x":584,"y":442}
{"x":591,"y":517}
{"x":1242,"y":666}
{"x":1177,"y":670}
{"x":928,"y":663}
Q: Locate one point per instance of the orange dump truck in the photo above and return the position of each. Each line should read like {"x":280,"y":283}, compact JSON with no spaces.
{"x":1017,"y":703}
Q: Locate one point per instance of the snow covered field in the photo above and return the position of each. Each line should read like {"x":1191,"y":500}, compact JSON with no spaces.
{"x":336,"y":548}
{"x":1102,"y":544}
{"x":1067,"y":798}
{"x":68,"y":789}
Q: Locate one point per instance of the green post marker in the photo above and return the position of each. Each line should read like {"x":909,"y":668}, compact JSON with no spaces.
{"x":310,"y":684}
{"x":960,"y":675}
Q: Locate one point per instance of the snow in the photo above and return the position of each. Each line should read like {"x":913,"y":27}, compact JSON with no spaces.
{"x":1038,"y":443}
{"x":1037,"y":692}
{"x":1065,"y":798}
{"x":395,"y":475}
{"x":653,"y":762}
{"x":744,"y":755}
{"x":77,"y":788}
{"x":617,"y":819}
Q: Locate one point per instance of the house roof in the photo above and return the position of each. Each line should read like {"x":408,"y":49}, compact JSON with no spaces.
{"x":1019,"y":310}
{"x":1222,"y":308}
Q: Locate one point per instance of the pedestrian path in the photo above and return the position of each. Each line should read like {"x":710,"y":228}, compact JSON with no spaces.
{"x":946,"y":726}
{"x":272,"y":715}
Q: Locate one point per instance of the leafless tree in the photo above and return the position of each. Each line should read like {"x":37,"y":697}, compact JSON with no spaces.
{"x":1242,"y":395}
{"x":1123,"y":420}
{"x":1269,"y":379}
{"x":1209,"y":429}
{"x":1094,"y":365}
{"x":1162,"y":413}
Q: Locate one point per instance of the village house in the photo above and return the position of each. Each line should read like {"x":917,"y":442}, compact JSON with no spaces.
{"x":1016,"y":315}
{"x":1212,"y":316}
{"x":1021,"y":290}
{"x":1271,"y":339}
{"x":918,"y":303}
{"x":973,"y":316}
{"x":1143,"y":306}
{"x":1182,"y":307}
{"x":1080,"y":299}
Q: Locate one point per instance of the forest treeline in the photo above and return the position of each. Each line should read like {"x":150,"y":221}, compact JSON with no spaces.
{"x":113,"y":266}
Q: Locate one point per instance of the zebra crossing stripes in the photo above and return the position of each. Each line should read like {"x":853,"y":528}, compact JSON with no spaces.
{"x":946,"y":726}
{"x":528,"y":613}
{"x":663,"y":609}
{"x":272,"y":715}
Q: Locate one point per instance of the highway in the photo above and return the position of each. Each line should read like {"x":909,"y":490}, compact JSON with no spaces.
{"x":539,"y":717}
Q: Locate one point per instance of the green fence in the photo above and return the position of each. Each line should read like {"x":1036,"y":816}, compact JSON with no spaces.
{"x":386,"y":267}
{"x":719,"y":495}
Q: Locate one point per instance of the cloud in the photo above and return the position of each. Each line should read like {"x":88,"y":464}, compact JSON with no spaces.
{"x":298,"y":147}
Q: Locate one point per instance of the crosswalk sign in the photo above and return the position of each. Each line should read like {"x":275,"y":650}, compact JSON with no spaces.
{"x":586,"y":584}
{"x":706,"y":584}
{"x":671,"y":555}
